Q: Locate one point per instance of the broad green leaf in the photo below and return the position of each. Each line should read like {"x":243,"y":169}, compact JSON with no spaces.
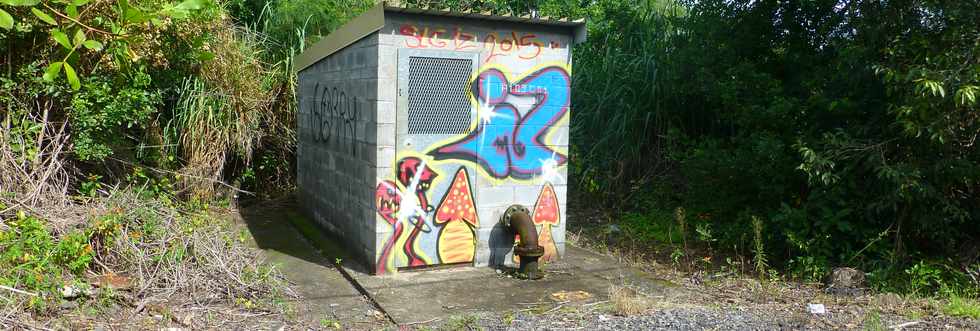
{"x":205,"y":56}
{"x":52,"y":71}
{"x":79,"y":37}
{"x":6,"y":21}
{"x":173,"y":12}
{"x":61,"y":38}
{"x":72,"y":78}
{"x":132,"y":15}
{"x":79,"y":2}
{"x":183,"y":9}
{"x":967,"y":95}
{"x":93,"y":45}
{"x":72,"y":11}
{"x":20,"y":2}
{"x":44,"y":17}
{"x":192,"y":4}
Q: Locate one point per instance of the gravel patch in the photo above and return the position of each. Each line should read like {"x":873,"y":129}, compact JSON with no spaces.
{"x":692,"y":318}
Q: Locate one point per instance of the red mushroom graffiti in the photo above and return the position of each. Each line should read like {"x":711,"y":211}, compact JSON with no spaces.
{"x":546,"y":214}
{"x":457,"y":213}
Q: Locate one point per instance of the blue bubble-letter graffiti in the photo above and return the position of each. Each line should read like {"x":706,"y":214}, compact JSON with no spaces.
{"x":506,"y":143}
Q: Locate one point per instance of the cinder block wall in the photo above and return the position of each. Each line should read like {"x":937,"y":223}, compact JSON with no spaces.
{"x":531,"y":168}
{"x":407,"y":200}
{"x":337,"y":151}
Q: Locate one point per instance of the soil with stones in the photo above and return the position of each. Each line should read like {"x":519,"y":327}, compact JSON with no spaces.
{"x":713,"y":300}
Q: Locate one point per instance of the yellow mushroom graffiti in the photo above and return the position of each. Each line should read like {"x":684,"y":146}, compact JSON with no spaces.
{"x":457,"y":215}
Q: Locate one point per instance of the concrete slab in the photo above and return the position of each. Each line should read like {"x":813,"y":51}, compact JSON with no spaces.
{"x":416,"y":296}
{"x":325,"y":294}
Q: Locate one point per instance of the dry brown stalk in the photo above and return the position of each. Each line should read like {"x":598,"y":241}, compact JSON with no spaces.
{"x":34,"y":172}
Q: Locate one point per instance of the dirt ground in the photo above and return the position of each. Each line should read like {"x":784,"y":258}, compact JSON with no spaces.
{"x":601,"y":285}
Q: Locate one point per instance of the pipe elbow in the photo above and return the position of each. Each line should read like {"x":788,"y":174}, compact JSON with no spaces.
{"x":518,"y":220}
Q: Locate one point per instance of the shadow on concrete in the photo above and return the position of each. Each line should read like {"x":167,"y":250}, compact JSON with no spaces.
{"x":501,"y":243}
{"x":324,"y":290}
{"x":281,"y":225}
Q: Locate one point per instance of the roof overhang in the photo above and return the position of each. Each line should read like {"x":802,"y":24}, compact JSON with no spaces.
{"x":374,"y":19}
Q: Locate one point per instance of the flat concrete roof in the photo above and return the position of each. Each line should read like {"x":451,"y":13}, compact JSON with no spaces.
{"x":374,"y":19}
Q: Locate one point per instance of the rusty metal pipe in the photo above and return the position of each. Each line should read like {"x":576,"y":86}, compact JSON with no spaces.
{"x":518,"y":220}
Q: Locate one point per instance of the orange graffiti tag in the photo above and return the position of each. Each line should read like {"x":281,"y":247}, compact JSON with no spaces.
{"x":515,"y":43}
{"x":463,"y":40}
{"x":434,"y":38}
{"x":412,"y":31}
{"x":531,"y":40}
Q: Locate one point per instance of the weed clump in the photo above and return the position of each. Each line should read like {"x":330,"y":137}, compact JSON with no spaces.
{"x":137,"y":252}
{"x":962,"y":307}
{"x":627,"y":301}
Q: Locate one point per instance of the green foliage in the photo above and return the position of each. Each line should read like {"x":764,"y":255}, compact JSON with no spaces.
{"x":923,"y":277}
{"x":653,"y":226}
{"x":110,"y":23}
{"x":150,"y":186}
{"x":107,"y":109}
{"x":329,"y":323}
{"x":28,"y":255}
{"x":962,"y":307}
{"x":33,"y":259}
{"x":110,"y":70}
{"x":620,"y":97}
{"x":462,"y":322}
{"x":291,"y":25}
{"x":760,"y":258}
{"x":848,"y":128}
{"x":552,"y":8}
{"x":872,"y":321}
{"x":89,"y":188}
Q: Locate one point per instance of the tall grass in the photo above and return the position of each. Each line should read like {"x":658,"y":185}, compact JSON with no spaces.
{"x":282,"y":30}
{"x":621,"y":76}
{"x":223,"y":114}
{"x":241,"y":107}
{"x":287,"y":26}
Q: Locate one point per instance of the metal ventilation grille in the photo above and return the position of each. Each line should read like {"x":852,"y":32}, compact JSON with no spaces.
{"x":438,"y":99}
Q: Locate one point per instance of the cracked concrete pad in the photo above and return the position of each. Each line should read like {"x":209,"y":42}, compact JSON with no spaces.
{"x":325,"y":294}
{"x":417,"y":296}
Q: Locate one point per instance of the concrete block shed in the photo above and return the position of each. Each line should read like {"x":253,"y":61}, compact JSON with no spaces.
{"x":419,"y":128}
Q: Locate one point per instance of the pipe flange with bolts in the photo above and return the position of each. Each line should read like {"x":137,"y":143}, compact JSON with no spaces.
{"x":517,"y":219}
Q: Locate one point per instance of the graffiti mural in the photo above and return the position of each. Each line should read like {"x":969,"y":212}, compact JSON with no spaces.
{"x":429,"y":205}
{"x":457,"y":214}
{"x":404,"y":204}
{"x":527,"y":46}
{"x":506,"y":143}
